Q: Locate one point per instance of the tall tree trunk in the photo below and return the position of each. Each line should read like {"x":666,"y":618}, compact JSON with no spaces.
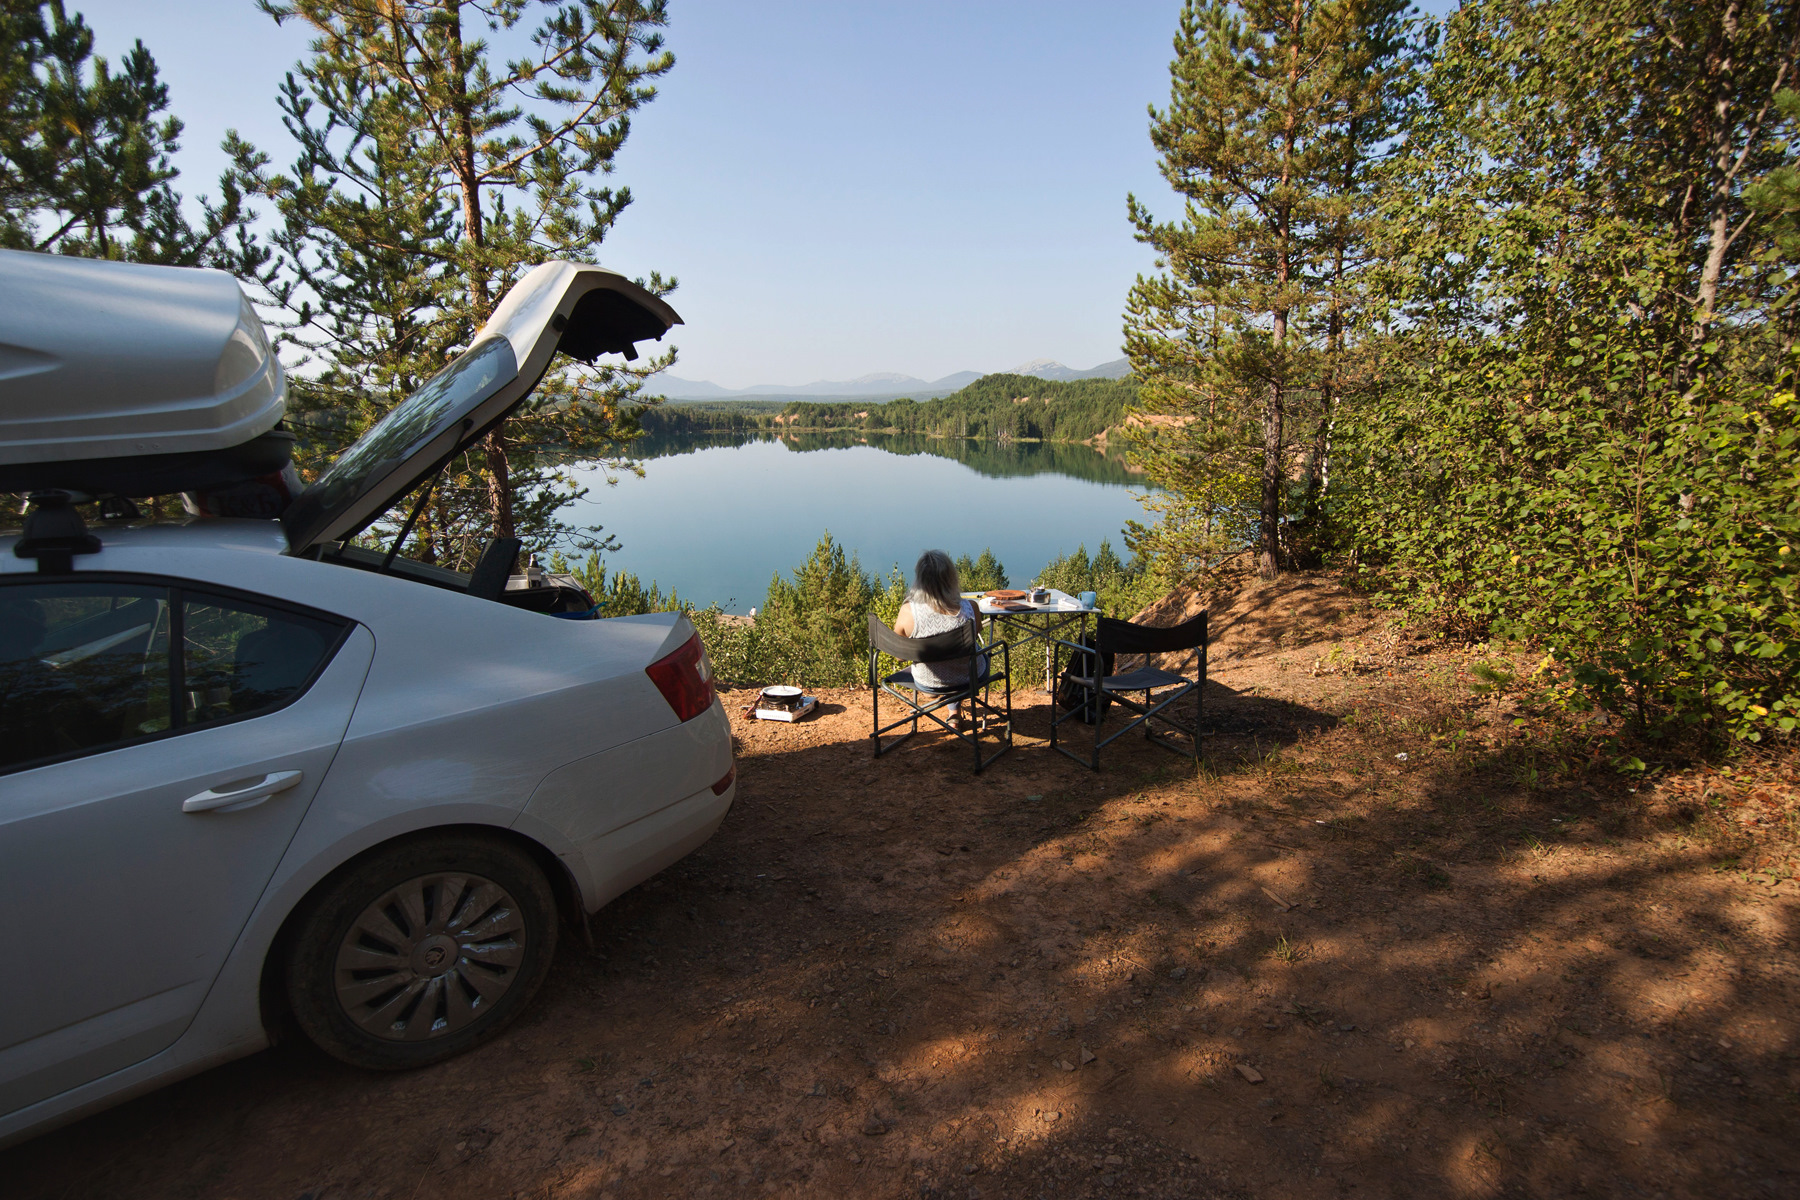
{"x":499,"y":483}
{"x":1721,"y":65}
{"x":500,"y":491}
{"x":1274,"y":470}
{"x":1268,"y":560}
{"x":1318,"y":468}
{"x":1321,"y":440}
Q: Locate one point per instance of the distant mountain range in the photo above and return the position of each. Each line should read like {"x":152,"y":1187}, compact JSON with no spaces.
{"x":884,"y":385}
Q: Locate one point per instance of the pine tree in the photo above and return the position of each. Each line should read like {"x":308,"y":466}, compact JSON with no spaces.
{"x":1277,"y":112}
{"x":432,"y":176}
{"x":85,"y":152}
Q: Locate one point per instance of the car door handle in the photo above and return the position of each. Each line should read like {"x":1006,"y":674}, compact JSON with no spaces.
{"x":241,"y":792}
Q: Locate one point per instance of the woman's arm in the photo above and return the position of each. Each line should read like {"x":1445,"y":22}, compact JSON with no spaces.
{"x":903,"y":624}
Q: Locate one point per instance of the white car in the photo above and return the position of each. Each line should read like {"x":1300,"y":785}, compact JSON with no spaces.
{"x":251,"y":773}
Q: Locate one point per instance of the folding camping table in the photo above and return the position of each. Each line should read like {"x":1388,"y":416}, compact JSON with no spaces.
{"x":1035,"y":622}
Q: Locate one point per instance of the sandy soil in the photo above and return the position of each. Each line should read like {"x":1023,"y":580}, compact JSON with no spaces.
{"x":1398,"y":937}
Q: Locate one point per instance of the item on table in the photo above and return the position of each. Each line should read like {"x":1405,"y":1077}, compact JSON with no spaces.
{"x":1040,"y":595}
{"x":1005,"y":594}
{"x":1089,"y":600}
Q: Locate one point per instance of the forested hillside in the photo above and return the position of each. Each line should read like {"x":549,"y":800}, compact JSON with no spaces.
{"x":998,"y":460}
{"x":1499,"y":315}
{"x":993,"y":408}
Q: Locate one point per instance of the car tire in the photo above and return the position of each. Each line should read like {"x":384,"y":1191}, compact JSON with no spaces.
{"x":422,"y":951}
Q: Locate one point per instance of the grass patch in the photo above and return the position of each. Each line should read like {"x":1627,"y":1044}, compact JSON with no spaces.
{"x":1286,"y":951}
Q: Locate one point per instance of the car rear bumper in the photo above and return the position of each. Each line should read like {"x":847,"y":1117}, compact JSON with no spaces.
{"x":626,"y":857}
{"x":618,"y":817}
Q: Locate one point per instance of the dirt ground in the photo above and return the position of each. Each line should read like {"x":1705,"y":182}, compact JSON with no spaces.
{"x":1403,"y":934}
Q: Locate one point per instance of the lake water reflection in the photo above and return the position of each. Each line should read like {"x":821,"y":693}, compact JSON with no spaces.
{"x":714,"y":518}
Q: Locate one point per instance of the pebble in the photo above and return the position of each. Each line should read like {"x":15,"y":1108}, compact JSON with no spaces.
{"x":1250,"y":1073}
{"x":1178,"y":973}
{"x":1087,"y":1056}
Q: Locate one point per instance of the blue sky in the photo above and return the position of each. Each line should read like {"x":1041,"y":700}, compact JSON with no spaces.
{"x":842,"y":188}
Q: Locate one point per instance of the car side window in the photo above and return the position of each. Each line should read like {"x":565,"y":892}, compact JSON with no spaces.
{"x":240,"y":658}
{"x":87,"y":666}
{"x":83,"y":666}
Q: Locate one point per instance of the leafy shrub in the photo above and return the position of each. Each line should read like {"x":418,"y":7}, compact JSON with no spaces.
{"x":1644,"y":531}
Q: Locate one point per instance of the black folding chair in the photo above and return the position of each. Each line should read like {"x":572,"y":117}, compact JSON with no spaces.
{"x":1100,"y":689}
{"x":959,"y":645}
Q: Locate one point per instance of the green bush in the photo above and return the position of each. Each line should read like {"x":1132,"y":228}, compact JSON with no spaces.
{"x":1124,"y":589}
{"x":620,"y":594}
{"x":1644,"y":531}
{"x":813,"y":627}
{"x":982,"y":574}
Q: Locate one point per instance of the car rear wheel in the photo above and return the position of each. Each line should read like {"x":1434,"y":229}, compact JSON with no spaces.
{"x":422,"y":951}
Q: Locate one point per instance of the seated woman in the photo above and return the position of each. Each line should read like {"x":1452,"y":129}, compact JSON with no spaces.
{"x":936,"y":606}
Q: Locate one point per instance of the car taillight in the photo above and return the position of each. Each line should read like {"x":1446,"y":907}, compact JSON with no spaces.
{"x":719,"y":787}
{"x":685,"y":679}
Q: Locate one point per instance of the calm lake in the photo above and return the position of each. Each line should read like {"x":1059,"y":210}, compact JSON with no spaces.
{"x":714,"y":517}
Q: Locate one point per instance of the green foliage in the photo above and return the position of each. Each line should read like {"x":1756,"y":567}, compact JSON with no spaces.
{"x":85,"y":152}
{"x":997,"y":460}
{"x":619,"y":594}
{"x":1493,"y":678}
{"x":1776,"y":195}
{"x":1004,"y":408}
{"x":1124,"y":589}
{"x":1585,"y":431}
{"x":811,"y":630}
{"x":1278,"y":114}
{"x":818,"y":620}
{"x":432,"y":175}
{"x":982,"y":574}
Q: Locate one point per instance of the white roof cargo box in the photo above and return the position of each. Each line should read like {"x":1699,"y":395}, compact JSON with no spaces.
{"x":132,"y":380}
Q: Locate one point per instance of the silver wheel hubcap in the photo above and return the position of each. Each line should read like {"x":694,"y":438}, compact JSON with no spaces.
{"x":430,"y":957}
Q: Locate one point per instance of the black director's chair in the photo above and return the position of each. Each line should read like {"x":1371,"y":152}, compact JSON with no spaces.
{"x":1101,"y":690}
{"x":959,"y":645}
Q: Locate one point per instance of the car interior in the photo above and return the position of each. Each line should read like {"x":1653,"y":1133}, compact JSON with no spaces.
{"x":87,"y":665}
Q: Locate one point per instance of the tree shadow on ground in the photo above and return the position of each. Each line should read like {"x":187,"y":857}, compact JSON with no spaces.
{"x":895,"y":977}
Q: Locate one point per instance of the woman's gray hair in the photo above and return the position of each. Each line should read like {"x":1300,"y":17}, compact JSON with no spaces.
{"x":935,"y":580}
